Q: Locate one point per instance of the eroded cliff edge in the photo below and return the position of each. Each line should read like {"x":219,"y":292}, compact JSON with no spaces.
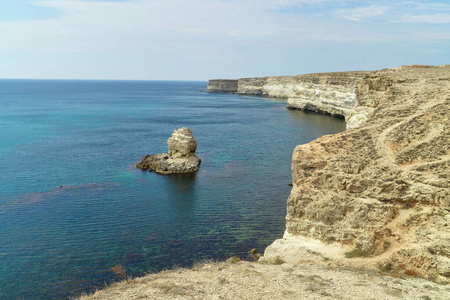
{"x":330,"y":93}
{"x":378,"y":196}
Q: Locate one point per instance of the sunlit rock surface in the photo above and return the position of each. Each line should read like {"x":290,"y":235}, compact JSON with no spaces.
{"x":329,"y":93}
{"x":180,"y":158}
{"x":381,"y":191}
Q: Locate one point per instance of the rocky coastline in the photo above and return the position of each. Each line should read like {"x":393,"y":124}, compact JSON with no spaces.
{"x":328,"y":93}
{"x":374,"y":191}
{"x":380,"y":193}
{"x":375,"y":197}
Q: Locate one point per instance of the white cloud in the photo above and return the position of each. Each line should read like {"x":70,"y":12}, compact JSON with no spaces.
{"x":439,"y":18}
{"x":167,"y":31}
{"x":97,"y":26}
{"x":430,"y":6}
{"x":361,"y":13}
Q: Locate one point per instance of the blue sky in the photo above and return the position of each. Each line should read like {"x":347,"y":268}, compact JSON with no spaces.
{"x":203,"y":39}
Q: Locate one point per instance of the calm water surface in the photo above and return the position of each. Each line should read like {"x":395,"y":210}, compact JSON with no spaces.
{"x":72,"y":205}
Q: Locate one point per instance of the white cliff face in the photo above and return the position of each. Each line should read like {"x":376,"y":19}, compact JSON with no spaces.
{"x":320,"y":99}
{"x":281,"y":87}
{"x":227,"y":86}
{"x":251,"y":86}
{"x":328,"y":93}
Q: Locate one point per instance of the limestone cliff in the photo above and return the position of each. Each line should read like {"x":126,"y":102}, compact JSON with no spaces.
{"x":222,"y":86}
{"x":329,"y":93}
{"x":251,"y":86}
{"x":378,"y":195}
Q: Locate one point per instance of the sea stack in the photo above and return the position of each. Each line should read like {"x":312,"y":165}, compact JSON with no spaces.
{"x":180,"y":159}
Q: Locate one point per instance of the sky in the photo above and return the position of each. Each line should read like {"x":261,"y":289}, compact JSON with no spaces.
{"x":206,"y":39}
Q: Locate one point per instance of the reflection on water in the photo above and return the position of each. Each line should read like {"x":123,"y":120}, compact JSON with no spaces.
{"x":182,"y":196}
{"x":182,"y":185}
{"x":300,"y":117}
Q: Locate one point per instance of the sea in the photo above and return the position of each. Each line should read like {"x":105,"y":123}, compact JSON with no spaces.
{"x":73,"y":206}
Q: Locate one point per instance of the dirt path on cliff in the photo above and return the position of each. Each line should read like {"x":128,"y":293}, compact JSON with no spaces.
{"x":254,"y":280}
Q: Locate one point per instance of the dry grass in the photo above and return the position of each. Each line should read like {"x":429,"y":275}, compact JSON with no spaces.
{"x":278,"y":261}
{"x":121,"y":272}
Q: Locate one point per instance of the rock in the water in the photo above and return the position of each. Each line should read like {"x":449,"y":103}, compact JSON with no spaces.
{"x":182,"y":143}
{"x":180,"y":159}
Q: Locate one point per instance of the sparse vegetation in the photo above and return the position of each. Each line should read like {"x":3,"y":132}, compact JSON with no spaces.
{"x":357,"y":253}
{"x":388,"y":267}
{"x":408,"y":205}
{"x":199,"y":264}
{"x":278,"y":261}
{"x":311,"y":288}
{"x":171,"y":288}
{"x":222,"y":280}
{"x":233,"y":260}
{"x":121,"y":272}
{"x":255,"y":255}
{"x":394,"y":292}
{"x":413,"y":273}
{"x":386,"y":245}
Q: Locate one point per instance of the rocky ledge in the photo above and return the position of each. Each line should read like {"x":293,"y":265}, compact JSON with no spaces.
{"x":180,"y":159}
{"x":378,"y":196}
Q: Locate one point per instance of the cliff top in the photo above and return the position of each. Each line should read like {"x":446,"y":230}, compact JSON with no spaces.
{"x":339,"y":73}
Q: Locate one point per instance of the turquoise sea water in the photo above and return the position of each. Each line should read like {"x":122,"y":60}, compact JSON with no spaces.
{"x":72,"y":205}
